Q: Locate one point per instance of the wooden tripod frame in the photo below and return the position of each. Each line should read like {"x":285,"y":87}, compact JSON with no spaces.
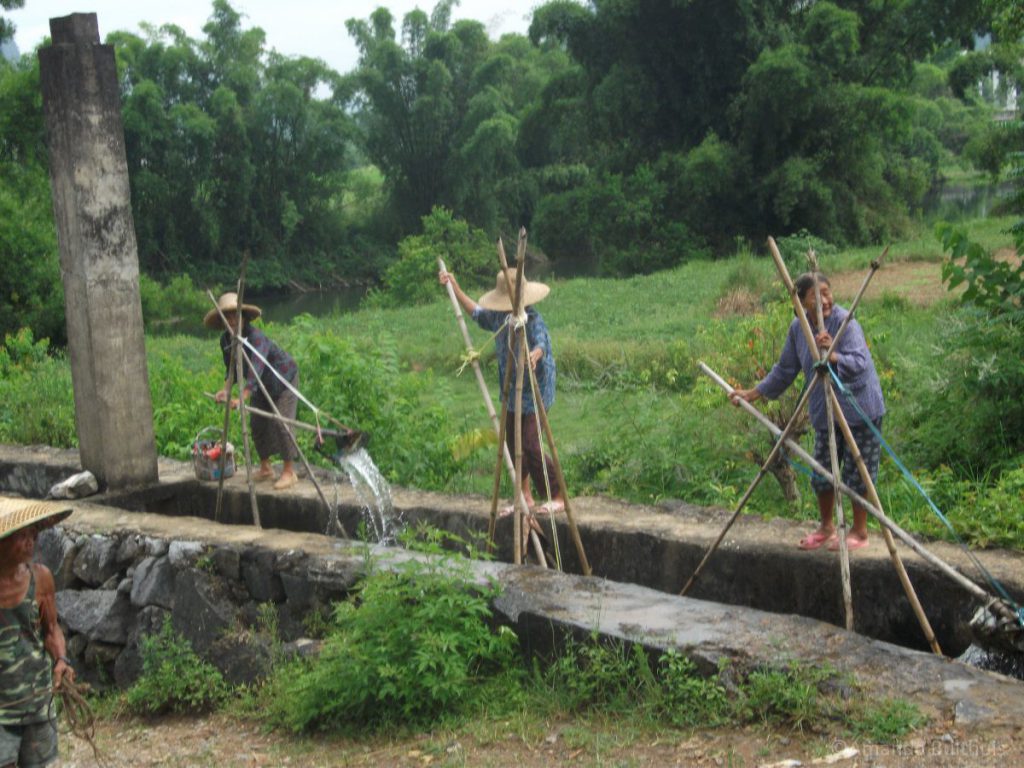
{"x":835,"y":412}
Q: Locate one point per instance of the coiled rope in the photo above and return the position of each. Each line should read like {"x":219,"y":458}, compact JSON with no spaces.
{"x":76,"y":710}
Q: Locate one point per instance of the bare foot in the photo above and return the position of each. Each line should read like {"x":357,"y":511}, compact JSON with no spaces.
{"x":287,"y":480}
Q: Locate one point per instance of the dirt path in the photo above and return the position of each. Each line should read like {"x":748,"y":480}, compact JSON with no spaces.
{"x":919,"y":282}
{"x":224,"y":742}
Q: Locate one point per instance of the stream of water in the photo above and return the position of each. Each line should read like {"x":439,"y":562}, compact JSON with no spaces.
{"x":374,"y":495}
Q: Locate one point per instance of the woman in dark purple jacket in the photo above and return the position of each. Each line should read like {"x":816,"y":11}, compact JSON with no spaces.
{"x":276,"y":369}
{"x":852,"y":363}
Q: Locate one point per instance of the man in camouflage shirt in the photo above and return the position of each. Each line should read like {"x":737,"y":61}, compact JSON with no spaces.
{"x":33,"y":657}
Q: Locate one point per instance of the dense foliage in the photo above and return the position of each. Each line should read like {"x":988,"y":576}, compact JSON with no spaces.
{"x":231,"y":147}
{"x":627,"y":136}
{"x":413,"y":644}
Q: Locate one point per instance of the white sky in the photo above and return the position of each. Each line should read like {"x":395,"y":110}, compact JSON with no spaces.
{"x":313,"y":28}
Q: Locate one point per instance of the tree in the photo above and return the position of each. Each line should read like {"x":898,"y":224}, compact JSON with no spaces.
{"x":443,"y":108}
{"x":6,"y":27}
{"x":30,"y":293}
{"x":231,"y":147}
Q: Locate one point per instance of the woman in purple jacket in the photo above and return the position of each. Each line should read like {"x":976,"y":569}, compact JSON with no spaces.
{"x":851,"y":360}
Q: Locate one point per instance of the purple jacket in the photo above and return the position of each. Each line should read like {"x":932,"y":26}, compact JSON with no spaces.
{"x":855,"y":369}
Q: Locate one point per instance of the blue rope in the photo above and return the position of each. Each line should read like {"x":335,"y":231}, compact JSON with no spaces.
{"x":913,"y":481}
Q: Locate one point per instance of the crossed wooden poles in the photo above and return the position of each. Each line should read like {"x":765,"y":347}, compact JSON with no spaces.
{"x":835,"y":416}
{"x":517,"y":354}
{"x":239,"y":357}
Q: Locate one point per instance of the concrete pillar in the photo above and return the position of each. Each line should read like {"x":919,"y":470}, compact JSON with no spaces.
{"x":98,"y":253}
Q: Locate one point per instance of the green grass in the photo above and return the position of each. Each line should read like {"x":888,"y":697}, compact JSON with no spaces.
{"x":633,"y":417}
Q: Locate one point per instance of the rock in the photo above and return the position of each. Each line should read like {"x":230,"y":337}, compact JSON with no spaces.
{"x":334,"y":579}
{"x":227,"y":562}
{"x":75,"y":487}
{"x":967,"y":712}
{"x":96,"y":560}
{"x":153,"y":583}
{"x":98,"y":662}
{"x":257,"y":572}
{"x":114,"y":625}
{"x":299,"y":593}
{"x":184,"y":553}
{"x":242,"y":661}
{"x":76,"y":646}
{"x":303,"y":648}
{"x":203,"y":611}
{"x":124,"y":586}
{"x":81,"y":610}
{"x":155,"y":547}
{"x":101,"y":615}
{"x":57,"y":551}
{"x":130,"y":549}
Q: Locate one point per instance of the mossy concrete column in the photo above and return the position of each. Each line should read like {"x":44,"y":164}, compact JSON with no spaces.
{"x":98,"y":253}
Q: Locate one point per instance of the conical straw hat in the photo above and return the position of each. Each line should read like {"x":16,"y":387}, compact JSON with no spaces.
{"x":500,"y":300}
{"x":16,"y":514}
{"x":228,"y":302}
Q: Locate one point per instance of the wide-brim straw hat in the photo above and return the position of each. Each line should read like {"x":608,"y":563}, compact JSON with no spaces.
{"x":501,"y":301}
{"x":228,"y":302}
{"x":16,"y":514}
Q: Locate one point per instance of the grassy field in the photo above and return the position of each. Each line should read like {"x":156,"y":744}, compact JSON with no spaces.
{"x":633,"y":418}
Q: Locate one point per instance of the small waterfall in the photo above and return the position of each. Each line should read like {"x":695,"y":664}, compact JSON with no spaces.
{"x":374,"y":494}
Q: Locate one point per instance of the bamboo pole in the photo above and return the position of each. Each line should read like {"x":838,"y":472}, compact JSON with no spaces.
{"x":240,"y":378}
{"x":833,"y":452}
{"x":894,"y":555}
{"x":275,"y":415}
{"x":875,"y":512}
{"x":519,"y":345}
{"x":784,"y":435}
{"x":496,"y":491}
{"x":237,"y":370}
{"x":304,"y":425}
{"x":295,"y":444}
{"x":488,"y":404}
{"x":798,"y":309}
{"x":503,"y":450}
{"x":550,"y":438}
{"x":229,"y":383}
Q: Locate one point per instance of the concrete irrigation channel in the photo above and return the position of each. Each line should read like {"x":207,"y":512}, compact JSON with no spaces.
{"x":761,"y":602}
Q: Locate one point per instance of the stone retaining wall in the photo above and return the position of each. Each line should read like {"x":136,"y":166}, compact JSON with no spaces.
{"x":115,"y":589}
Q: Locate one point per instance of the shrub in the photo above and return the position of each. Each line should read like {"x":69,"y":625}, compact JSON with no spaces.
{"x":599,"y":676}
{"x":785,"y":696}
{"x":35,"y":388}
{"x":467,"y":252}
{"x":164,"y":304}
{"x":686,"y":698}
{"x":794,"y":249}
{"x":412,"y":645}
{"x":361,"y":384}
{"x":174,"y":678}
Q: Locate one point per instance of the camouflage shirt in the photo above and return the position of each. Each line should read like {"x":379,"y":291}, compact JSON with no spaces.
{"x":26,"y":676}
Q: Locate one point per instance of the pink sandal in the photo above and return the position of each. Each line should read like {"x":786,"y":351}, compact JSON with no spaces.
{"x":816,"y":540}
{"x":852,"y":543}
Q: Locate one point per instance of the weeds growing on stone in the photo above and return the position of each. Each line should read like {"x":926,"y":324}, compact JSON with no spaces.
{"x":174,"y":678}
